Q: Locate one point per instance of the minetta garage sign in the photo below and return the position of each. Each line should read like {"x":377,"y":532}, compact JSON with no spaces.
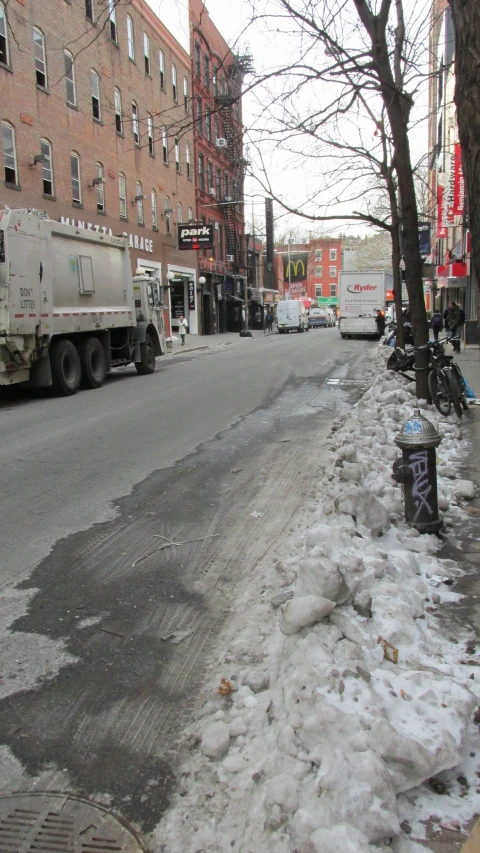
{"x":195,"y":235}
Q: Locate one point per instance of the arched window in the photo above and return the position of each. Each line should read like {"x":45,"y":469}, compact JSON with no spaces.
{"x":70,"y":78}
{"x":122,"y":193}
{"x":130,"y":39}
{"x":168,"y":215}
{"x":47,"y":167}
{"x":151,"y":148}
{"x":190,"y":214}
{"x":95,"y":88}
{"x":3,"y":35}
{"x":40,"y":58}
{"x":100,"y":188}
{"x":9,"y":154}
{"x":135,"y":126}
{"x":179,"y":213}
{"x":153,"y":197}
{"x":188,"y":161}
{"x":113,"y":20}
{"x":139,"y":200}
{"x":165,"y":145}
{"x":75,"y":176}
{"x":117,"y":104}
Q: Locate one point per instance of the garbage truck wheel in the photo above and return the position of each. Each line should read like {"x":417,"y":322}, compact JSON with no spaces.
{"x":66,"y":369}
{"x":92,"y":360}
{"x":146,"y":365}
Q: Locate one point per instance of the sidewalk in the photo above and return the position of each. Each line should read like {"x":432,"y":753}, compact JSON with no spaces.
{"x":199,"y":342}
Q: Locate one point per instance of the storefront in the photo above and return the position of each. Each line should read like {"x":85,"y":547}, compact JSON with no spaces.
{"x":234,"y":304}
{"x":183,"y":297}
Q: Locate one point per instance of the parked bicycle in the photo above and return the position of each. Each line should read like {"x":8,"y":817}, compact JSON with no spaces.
{"x":445,"y":380}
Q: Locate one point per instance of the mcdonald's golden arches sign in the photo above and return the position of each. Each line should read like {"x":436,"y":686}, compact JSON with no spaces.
{"x":295,"y":267}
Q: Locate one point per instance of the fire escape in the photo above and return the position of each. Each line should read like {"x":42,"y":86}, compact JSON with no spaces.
{"x":229,"y":109}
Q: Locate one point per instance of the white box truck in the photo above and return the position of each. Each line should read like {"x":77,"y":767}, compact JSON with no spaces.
{"x":292,"y":316}
{"x":69,"y":308}
{"x":359,"y":295}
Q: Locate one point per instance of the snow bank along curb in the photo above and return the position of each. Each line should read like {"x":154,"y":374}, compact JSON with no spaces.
{"x":341,"y":700}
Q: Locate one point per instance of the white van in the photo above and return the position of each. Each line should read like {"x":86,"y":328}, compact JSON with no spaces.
{"x":292,"y":316}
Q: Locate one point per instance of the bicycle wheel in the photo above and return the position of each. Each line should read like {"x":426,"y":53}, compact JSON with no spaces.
{"x":454,"y":394}
{"x":439,"y":392}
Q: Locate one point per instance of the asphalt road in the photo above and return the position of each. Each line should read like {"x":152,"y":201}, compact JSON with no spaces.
{"x":94,"y":694}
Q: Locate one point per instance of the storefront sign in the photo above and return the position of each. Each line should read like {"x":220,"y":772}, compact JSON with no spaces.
{"x":195,"y":236}
{"x":295,"y":267}
{"x":134,"y":241}
{"x":458,"y":184}
{"x":191,"y":295}
{"x":442,"y":224}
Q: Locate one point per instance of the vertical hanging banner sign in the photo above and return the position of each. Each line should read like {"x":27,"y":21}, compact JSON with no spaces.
{"x":449,"y":189}
{"x":442,"y":226}
{"x":458,"y":183}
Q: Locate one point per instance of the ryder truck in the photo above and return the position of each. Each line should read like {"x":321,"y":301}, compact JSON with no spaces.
{"x":359,"y":295}
{"x":69,"y":308}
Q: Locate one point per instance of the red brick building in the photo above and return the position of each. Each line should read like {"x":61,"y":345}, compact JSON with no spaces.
{"x":217,"y":81}
{"x":96,"y":120}
{"x":314,"y":269}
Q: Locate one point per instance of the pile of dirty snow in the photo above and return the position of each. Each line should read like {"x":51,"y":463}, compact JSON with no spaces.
{"x":336,"y":695}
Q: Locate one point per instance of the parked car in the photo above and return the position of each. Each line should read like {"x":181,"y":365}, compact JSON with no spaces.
{"x":292,"y":316}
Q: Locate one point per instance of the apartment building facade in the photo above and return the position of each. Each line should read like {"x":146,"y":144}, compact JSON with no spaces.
{"x":96,"y":122}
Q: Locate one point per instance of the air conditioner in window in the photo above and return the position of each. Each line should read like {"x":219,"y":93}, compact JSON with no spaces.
{"x":221,"y":142}
{"x":230,"y":259}
{"x":228,"y":198}
{"x":211,"y":191}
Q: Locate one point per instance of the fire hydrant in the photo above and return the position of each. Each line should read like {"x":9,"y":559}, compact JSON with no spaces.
{"x":416,"y":471}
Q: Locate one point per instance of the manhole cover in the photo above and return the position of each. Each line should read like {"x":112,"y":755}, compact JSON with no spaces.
{"x":61,"y":823}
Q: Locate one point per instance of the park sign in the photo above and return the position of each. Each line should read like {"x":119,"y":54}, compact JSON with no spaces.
{"x":195,"y":235}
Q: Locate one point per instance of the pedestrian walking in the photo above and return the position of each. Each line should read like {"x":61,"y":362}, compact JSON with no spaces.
{"x":269,"y":321}
{"x":436,"y":324}
{"x":380,"y":321}
{"x":182,"y":328}
{"x":454,"y":320}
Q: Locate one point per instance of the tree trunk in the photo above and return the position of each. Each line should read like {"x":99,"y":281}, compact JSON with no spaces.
{"x":466,"y":22}
{"x":397,"y":283}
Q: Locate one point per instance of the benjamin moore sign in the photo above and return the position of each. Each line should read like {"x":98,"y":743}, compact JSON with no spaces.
{"x":295,"y":266}
{"x":195,"y":236}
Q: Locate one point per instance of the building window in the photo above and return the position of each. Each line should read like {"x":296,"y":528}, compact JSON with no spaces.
{"x":9,"y":154}
{"x":113,"y":20}
{"x":210,"y":176}
{"x":117,"y":103}
{"x":206,"y":72}
{"x":318,"y":290}
{"x":96,"y":111}
{"x":122,"y":193}
{"x":153,"y":199}
{"x":165,"y":145}
{"x":100,"y":188}
{"x":146,"y":53}
{"x":333,"y":254}
{"x":225,"y":185}
{"x":318,"y":254}
{"x":333,"y":290}
{"x":135,"y":127}
{"x":179,"y":213}
{"x":168,"y":216}
{"x":89,"y":10}
{"x":40,"y":60}
{"x":75,"y":175}
{"x":139,"y":200}
{"x":197,"y":59}
{"x":199,"y":116}
{"x":208,"y":124}
{"x":188,"y":162}
{"x":201,"y":172}
{"x":333,"y":272}
{"x":222,"y":86}
{"x":174,"y":84}
{"x":221,"y":254}
{"x":218,"y":183}
{"x":47,"y":167}
{"x":70,"y":78}
{"x":190,"y":215}
{"x":161,"y":65}
{"x":130,"y":39}
{"x":177,"y":155}
{"x":318,"y":272}
{"x":3,"y":35}
{"x":185,"y":94}
{"x":151,"y":149}
{"x":215,"y":82}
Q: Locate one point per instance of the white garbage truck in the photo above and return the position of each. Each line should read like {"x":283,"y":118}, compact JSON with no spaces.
{"x":70,"y":310}
{"x":359,"y":295}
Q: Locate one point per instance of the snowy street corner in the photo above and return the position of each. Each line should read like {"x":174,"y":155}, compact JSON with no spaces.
{"x":339,"y":704}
